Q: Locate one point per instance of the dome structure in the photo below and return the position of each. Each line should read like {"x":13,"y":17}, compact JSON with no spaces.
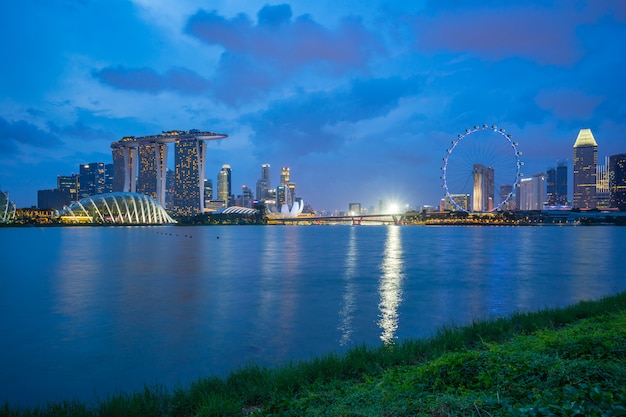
{"x":7,"y":208}
{"x":116,"y":208}
{"x":287,"y":211}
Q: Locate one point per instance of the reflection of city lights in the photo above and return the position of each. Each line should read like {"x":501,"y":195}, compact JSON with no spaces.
{"x":391,"y":285}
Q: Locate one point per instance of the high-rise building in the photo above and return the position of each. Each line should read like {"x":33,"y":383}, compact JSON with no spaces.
{"x":506,"y":191}
{"x":602,"y":185}
{"x":556,"y":185}
{"x":263,"y":185}
{"x":246,"y":197}
{"x":124,"y":165}
{"x":463,"y":201}
{"x":617,"y":181}
{"x":585,"y":165}
{"x":189,"y":163}
{"x":68,"y":184}
{"x":354,"y":209}
{"x":285,"y":175}
{"x":483,"y":196}
{"x":152,"y":177}
{"x":224,"y":185}
{"x":91,"y":179}
{"x":531,"y":194}
{"x":208,"y":191}
{"x":108,"y":178}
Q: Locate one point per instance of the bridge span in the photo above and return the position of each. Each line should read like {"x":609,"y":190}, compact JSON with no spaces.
{"x":397,"y":219}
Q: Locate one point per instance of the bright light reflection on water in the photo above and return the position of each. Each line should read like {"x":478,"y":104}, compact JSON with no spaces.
{"x":391,"y":285}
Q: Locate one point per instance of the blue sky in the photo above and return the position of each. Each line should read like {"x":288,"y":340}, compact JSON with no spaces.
{"x":360,"y":98}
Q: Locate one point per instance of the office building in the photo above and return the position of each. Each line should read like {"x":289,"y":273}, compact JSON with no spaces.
{"x":507,"y":200}
{"x":263,"y":185}
{"x":531,"y":194}
{"x":91,"y":179}
{"x":354,"y":209}
{"x":285,"y":175}
{"x":585,"y":166}
{"x":602,"y":185}
{"x":208,"y":192}
{"x":483,"y":194}
{"x":68,"y":185}
{"x":556,"y":185}
{"x":617,"y":181}
{"x":463,"y":201}
{"x":224,"y":185}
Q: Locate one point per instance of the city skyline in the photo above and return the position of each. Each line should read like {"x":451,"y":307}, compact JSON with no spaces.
{"x":362,"y":100}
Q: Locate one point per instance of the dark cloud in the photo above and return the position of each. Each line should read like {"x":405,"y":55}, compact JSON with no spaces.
{"x":543,"y":34}
{"x":148,"y":80}
{"x":306,"y":125}
{"x":24,"y":133}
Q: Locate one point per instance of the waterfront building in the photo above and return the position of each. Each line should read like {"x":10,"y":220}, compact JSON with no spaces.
{"x":463,"y":201}
{"x":354,"y":208}
{"x":54,"y":199}
{"x":617,"y":181}
{"x":189,"y":168}
{"x":556,"y":185}
{"x":585,"y":170}
{"x":246,"y":197}
{"x":124,"y":165}
{"x":285,"y":175}
{"x":91,"y":179}
{"x":224,"y":185}
{"x":531,"y":194}
{"x":602,"y":185}
{"x":108,"y":178}
{"x":208,"y":192}
{"x":152,"y":176}
{"x":506,"y":190}
{"x":68,"y":185}
{"x":483,"y":192}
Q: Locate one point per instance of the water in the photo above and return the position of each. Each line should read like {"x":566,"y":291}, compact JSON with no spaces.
{"x":89,"y":312}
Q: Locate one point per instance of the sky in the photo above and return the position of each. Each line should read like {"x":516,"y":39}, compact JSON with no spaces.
{"x":361,"y":99}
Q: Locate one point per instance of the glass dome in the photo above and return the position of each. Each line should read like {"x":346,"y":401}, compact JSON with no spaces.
{"x":7,"y":208}
{"x":116,"y":208}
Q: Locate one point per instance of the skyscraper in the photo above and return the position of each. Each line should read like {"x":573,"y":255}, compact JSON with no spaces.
{"x":556,"y":185}
{"x":617,"y":181}
{"x":224,"y":185}
{"x":151,"y":180}
{"x":483,"y":196}
{"x":91,"y":179}
{"x":124,"y":165}
{"x":585,"y":165}
{"x":531,"y":192}
{"x":602,"y":185}
{"x":263,"y":185}
{"x":189,"y":160}
{"x":285,"y":174}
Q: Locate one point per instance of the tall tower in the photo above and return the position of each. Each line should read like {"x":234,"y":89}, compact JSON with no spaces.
{"x":190,"y":161}
{"x":124,"y":165}
{"x":483,"y":196}
{"x":263,"y":184}
{"x":91,"y":179}
{"x":585,"y":166}
{"x":617,"y":181}
{"x":284,"y":176}
{"x":557,"y":185}
{"x":224,"y":184}
{"x":153,"y":170}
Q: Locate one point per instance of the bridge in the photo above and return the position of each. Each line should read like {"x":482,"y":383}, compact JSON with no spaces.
{"x":397,"y":219}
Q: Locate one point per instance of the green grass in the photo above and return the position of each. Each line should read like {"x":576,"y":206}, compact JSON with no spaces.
{"x":558,"y":362}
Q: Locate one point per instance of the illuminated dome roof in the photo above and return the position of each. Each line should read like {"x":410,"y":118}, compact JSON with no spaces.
{"x":116,"y":208}
{"x":7,"y":208}
{"x":236,"y":210}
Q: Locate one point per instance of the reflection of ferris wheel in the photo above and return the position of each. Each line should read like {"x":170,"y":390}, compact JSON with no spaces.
{"x":481,"y":170}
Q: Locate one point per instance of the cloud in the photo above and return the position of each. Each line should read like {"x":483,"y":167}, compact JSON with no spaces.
{"x":546,"y":35}
{"x":148,"y":80}
{"x":568,"y":104}
{"x":23,"y":133}
{"x":305,"y":124}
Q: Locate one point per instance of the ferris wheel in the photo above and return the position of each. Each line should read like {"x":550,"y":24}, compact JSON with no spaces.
{"x":481,"y":170}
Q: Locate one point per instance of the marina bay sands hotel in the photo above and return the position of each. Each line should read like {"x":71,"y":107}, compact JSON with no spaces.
{"x":140,"y":165}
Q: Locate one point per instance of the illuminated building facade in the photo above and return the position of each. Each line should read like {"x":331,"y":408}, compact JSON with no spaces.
{"x":462,"y":200}
{"x":285,"y":174}
{"x":182,"y":191}
{"x":506,"y":190}
{"x":68,"y":185}
{"x":602,"y":185}
{"x":556,"y":185}
{"x":617,"y":181}
{"x":585,"y":166}
{"x":483,"y":193}
{"x":152,"y":176}
{"x":91,"y":179}
{"x":190,"y":160}
{"x":531,"y":193}
{"x":224,"y":185}
{"x":263,"y":185}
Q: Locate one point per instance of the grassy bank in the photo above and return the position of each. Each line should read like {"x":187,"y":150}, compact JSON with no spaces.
{"x":563,"y":362}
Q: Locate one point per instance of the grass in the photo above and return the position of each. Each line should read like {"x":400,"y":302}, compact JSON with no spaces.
{"x":558,"y":362}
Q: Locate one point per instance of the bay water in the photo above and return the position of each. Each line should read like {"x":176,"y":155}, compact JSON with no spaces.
{"x":88,"y":312}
